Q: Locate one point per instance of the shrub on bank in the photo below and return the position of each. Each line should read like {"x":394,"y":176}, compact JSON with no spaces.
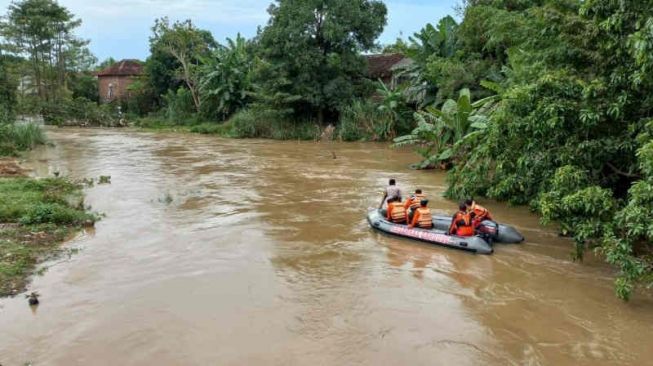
{"x":54,"y":213}
{"x":213,"y":128}
{"x":363,"y":120}
{"x":265,"y":123}
{"x":80,"y":111}
{"x":19,"y":137}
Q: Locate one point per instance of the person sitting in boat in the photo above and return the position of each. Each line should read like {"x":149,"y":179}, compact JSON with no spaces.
{"x":396,"y":211}
{"x":413,"y":203}
{"x":392,"y":191}
{"x":461,"y":224}
{"x":481,"y":213}
{"x":422,"y":217}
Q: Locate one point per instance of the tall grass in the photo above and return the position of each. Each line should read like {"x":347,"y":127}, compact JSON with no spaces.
{"x":261,"y":123}
{"x":20,"y":137}
{"x":363,"y":120}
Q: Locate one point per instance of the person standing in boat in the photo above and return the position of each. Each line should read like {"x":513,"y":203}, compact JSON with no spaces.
{"x":422,"y":216}
{"x":392,"y":191}
{"x":413,"y":203}
{"x":480,"y":213}
{"x":461,"y":224}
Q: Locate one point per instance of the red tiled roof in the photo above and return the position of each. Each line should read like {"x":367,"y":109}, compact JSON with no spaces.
{"x":123,"y":68}
{"x":379,"y":66}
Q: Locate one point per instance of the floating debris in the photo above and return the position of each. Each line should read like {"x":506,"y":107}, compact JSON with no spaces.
{"x":33,"y":298}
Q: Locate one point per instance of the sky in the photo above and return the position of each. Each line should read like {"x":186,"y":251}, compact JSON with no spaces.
{"x":121,"y":28}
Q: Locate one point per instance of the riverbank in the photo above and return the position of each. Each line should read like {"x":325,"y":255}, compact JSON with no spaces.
{"x":355,"y":126}
{"x":36,"y":217}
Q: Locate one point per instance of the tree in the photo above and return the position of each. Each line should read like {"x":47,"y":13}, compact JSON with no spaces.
{"x":42,"y":31}
{"x":425,"y":47}
{"x":187,"y":45}
{"x":444,"y":135}
{"x":572,"y":136}
{"x":7,"y":92}
{"x":226,"y":79}
{"x":311,"y":53}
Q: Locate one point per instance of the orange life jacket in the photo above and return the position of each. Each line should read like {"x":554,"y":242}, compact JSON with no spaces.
{"x":481,"y":213}
{"x":415,"y":201}
{"x":397,"y":212}
{"x":462,"y":224}
{"x":424,"y":219}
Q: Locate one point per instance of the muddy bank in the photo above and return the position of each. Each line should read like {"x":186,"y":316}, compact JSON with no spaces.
{"x":36,"y":217}
{"x":9,"y":167}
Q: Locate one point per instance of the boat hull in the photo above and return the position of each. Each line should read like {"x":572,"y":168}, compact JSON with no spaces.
{"x":499,"y":233}
{"x":473,"y":244}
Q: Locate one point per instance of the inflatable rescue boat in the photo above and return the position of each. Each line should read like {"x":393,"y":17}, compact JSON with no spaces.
{"x":436,"y":236}
{"x":498,"y":233}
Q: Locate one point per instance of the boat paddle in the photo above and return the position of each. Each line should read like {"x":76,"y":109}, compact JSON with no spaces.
{"x":383,"y":200}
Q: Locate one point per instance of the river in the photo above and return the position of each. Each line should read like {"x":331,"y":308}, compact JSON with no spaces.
{"x":240,"y":252}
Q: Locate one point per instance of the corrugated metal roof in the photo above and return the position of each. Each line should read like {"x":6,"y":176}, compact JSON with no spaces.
{"x":380,"y":66}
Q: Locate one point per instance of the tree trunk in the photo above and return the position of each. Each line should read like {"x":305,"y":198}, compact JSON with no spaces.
{"x":196,"y":98}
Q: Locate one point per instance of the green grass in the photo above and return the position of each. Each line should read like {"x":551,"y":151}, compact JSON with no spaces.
{"x":36,"y":215}
{"x":22,"y":248}
{"x":19,"y":137}
{"x":213,"y":128}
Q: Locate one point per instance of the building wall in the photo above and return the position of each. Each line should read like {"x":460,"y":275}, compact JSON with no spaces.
{"x":119,"y":90}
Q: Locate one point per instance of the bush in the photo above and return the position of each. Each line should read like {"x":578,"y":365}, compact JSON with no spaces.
{"x":211,"y":128}
{"x":54,"y":213}
{"x":179,"y":107}
{"x":79,"y":111}
{"x":265,"y":123}
{"x":363,"y":120}
{"x":19,"y":137}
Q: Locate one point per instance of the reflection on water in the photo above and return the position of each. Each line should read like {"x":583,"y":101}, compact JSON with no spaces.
{"x":258,"y":252}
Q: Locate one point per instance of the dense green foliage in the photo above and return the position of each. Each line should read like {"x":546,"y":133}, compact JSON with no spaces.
{"x":46,"y":68}
{"x":310,"y":50}
{"x":226,"y":79}
{"x":300,"y":73}
{"x":187,"y":45}
{"x":364,"y":120}
{"x":569,"y":128}
{"x":444,"y":135}
{"x":42,"y":31}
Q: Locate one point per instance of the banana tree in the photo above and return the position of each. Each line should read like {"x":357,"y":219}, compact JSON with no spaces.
{"x":442,"y":133}
{"x":430,"y":43}
{"x":226,"y":79}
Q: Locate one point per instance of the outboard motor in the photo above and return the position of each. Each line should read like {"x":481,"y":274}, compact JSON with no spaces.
{"x":488,"y":230}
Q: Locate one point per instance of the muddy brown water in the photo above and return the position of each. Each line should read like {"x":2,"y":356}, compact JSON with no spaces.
{"x":240,"y":252}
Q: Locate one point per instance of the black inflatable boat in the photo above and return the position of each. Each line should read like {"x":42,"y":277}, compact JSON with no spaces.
{"x":499,"y":233}
{"x":434,"y":236}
